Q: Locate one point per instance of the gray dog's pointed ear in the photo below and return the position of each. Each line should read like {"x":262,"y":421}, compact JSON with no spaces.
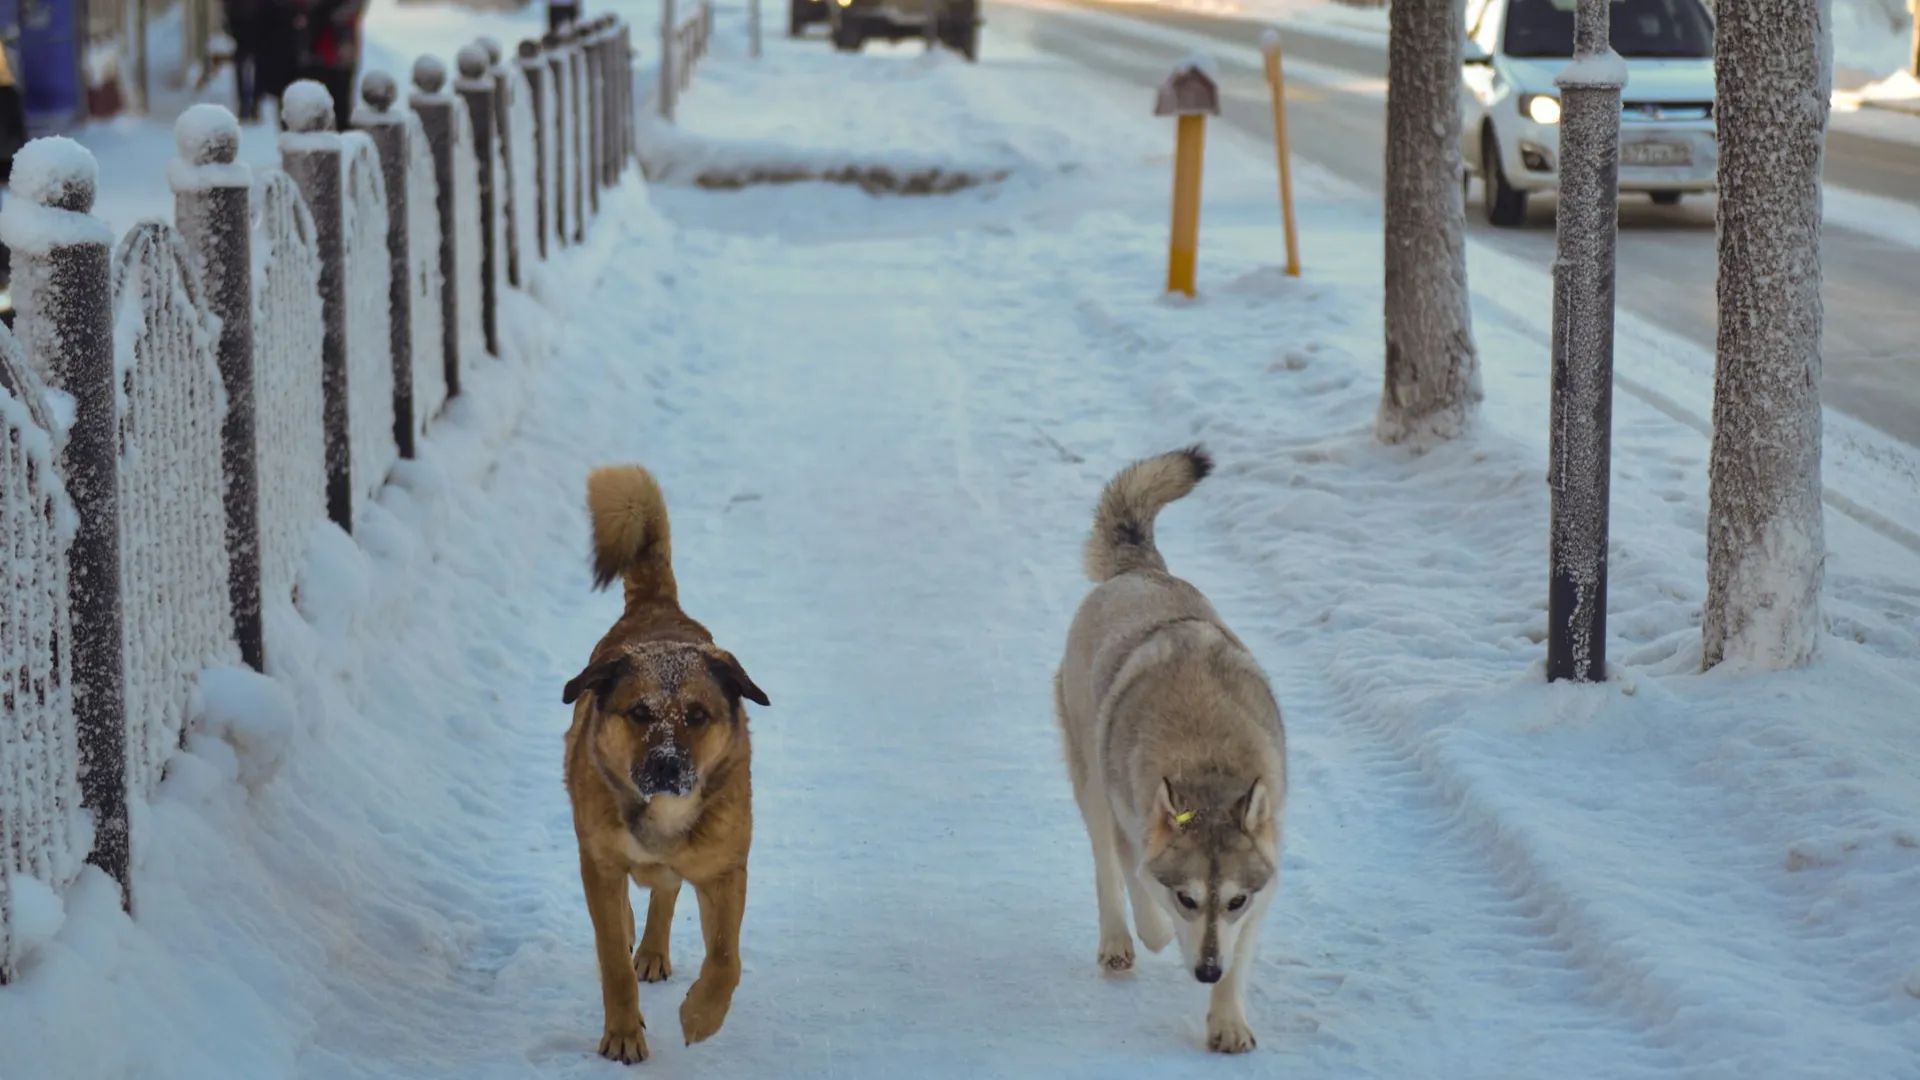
{"x":1256,"y":807}
{"x":598,"y":678}
{"x":734,"y":678}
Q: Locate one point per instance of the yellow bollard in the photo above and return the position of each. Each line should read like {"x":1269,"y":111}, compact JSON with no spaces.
{"x":1191,"y":95}
{"x":1189,"y":147}
{"x":1270,"y":49}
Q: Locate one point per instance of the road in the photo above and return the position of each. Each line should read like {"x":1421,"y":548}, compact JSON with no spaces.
{"x":1666,"y":257}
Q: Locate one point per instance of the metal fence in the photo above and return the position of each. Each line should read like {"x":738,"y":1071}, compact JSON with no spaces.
{"x":180,"y":409}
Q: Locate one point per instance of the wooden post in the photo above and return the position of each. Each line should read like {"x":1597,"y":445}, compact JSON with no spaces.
{"x":62,"y":276}
{"x":213,"y":205}
{"x":534,"y":69}
{"x":1276,"y":82}
{"x":476,"y":89}
{"x":310,"y":154}
{"x":562,"y":118}
{"x":387,"y":127}
{"x":435,"y":109}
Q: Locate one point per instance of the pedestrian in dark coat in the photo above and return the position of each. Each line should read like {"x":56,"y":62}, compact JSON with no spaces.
{"x":329,"y":36}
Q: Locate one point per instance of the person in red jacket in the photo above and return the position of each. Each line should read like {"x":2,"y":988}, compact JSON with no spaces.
{"x":328,"y":33}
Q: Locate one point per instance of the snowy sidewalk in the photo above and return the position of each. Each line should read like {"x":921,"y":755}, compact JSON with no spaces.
{"x":881,"y":425}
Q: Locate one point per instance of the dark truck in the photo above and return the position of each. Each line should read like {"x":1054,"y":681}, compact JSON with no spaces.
{"x":953,"y":23}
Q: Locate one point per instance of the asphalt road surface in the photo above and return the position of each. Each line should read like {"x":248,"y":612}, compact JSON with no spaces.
{"x":1666,"y":255}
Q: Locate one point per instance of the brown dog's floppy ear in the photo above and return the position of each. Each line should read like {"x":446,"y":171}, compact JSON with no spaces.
{"x":733,"y":678}
{"x":597,"y":679}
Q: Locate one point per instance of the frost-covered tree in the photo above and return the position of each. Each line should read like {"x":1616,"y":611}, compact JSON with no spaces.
{"x":1766,"y":544}
{"x":1432,"y":371}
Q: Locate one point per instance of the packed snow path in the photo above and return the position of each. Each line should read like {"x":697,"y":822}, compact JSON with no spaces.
{"x":876,"y":526}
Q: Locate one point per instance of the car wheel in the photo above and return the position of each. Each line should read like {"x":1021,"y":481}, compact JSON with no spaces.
{"x":1666,"y":198}
{"x":848,"y":37}
{"x":1506,"y":207}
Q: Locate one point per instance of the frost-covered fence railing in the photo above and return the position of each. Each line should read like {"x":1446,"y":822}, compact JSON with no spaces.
{"x":288,"y":398}
{"x":40,"y":836}
{"x":684,"y":30}
{"x":183,"y":411}
{"x":173,"y":560}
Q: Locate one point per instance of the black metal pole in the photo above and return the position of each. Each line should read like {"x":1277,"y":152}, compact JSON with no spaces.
{"x":476,"y":89}
{"x":310,"y":153}
{"x":1583,"y":292}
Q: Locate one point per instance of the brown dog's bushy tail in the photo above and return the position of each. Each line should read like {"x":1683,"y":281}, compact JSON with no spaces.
{"x":1122,"y":537}
{"x":631,"y":539}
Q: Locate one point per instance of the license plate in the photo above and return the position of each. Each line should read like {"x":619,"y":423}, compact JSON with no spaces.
{"x":1656,"y":153}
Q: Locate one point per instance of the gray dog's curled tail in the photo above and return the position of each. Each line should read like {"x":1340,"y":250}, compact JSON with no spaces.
{"x":1122,"y":537}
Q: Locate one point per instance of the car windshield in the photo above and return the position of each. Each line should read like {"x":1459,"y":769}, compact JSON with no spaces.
{"x":1679,"y":29}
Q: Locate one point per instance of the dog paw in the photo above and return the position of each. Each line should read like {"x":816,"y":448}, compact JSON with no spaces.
{"x":1229,"y":1035}
{"x":651,"y":967}
{"x":705,"y":1009}
{"x":626,"y":1044}
{"x":1155,"y":931}
{"x":1116,"y":957}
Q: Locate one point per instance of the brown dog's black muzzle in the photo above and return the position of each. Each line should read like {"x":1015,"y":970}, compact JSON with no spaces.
{"x":666,"y":770}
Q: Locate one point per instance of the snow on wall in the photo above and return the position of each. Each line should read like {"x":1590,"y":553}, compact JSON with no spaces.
{"x":466,"y":216}
{"x":287,"y":390}
{"x":423,"y":255}
{"x":173,"y":577}
{"x":369,"y":316}
{"x":41,"y":835}
{"x":525,"y":189}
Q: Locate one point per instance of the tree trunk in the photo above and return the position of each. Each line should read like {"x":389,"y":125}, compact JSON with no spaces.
{"x":1432,"y":373}
{"x":1766,"y":545}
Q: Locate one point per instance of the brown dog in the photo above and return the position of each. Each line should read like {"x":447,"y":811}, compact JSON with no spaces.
{"x":658,"y":770}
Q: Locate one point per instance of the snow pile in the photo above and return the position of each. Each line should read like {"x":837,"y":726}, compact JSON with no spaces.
{"x":173,"y":518}
{"x":307,"y":107}
{"x":425,"y":281}
{"x":369,"y":277}
{"x":1899,"y":86}
{"x":42,"y":836}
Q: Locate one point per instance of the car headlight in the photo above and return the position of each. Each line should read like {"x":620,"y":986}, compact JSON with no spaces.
{"x":1541,"y":108}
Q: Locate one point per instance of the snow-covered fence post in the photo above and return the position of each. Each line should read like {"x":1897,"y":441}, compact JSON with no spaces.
{"x":595,"y":55}
{"x":476,"y":89}
{"x":213,"y":204}
{"x":556,"y":58}
{"x":1431,"y":381}
{"x":577,"y":131}
{"x":534,"y":70}
{"x":510,"y":208}
{"x":63,"y":287}
{"x":669,"y":58}
{"x":310,"y":153}
{"x":434,"y":107}
{"x":388,"y":129}
{"x":627,"y":100}
{"x":1582,"y":424}
{"x":1766,"y":533}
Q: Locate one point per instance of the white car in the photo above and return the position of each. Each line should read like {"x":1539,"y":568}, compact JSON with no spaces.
{"x":1509,"y":132}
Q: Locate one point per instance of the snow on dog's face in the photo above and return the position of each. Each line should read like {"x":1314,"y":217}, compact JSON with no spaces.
{"x":1209,"y":864}
{"x":664,"y":713}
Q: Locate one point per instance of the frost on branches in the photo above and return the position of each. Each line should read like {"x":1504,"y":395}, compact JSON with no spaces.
{"x":1432,"y":371}
{"x":173,"y":521}
{"x":42,"y":835}
{"x":289,"y":401}
{"x":363,"y":207}
{"x":466,"y":218}
{"x":423,"y":253}
{"x":1766,"y":543}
